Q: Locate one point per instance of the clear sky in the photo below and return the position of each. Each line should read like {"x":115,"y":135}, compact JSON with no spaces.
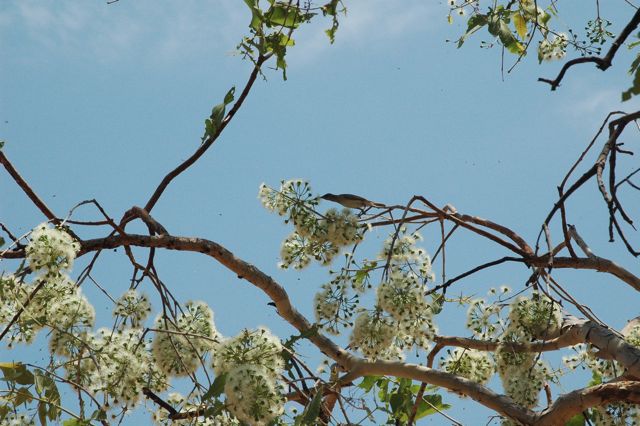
{"x":100,"y":101}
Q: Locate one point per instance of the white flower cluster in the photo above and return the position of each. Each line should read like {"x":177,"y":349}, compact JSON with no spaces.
{"x":253,"y":396}
{"x":373,"y":334}
{"x":318,"y":237}
{"x":18,"y":420}
{"x":404,"y":254}
{"x":252,"y":362}
{"x":56,"y":302}
{"x":522,"y":374}
{"x":190,"y":403}
{"x":402,"y":296}
{"x":470,"y":364}
{"x":50,"y":250}
{"x":179,"y":347}
{"x":484,"y":319}
{"x":554,"y":48}
{"x":132,"y":307}
{"x":327,"y":304}
{"x":120,"y":366}
{"x":537,"y":316}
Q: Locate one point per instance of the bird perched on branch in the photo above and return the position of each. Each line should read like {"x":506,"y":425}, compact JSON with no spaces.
{"x":351,"y":201}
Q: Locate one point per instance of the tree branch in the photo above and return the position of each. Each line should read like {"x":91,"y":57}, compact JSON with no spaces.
{"x":601,"y":62}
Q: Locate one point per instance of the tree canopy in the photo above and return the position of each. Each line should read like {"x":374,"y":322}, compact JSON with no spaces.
{"x":384,"y":306}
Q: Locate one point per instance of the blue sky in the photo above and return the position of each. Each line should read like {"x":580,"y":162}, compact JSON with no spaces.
{"x":100,"y":101}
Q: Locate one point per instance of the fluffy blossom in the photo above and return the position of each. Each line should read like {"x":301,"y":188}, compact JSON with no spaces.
{"x":316,"y":237}
{"x":537,"y":316}
{"x":522,"y":374}
{"x":251,"y":347}
{"x":253,"y":396}
{"x":372,"y":334}
{"x":403,"y":253}
{"x":180,"y":346}
{"x":51,"y":249}
{"x":470,"y":364}
{"x":483,"y":319}
{"x":120,"y":366}
{"x":132,"y":307}
{"x":327,"y":304}
{"x":402,"y":296}
{"x":554,"y":48}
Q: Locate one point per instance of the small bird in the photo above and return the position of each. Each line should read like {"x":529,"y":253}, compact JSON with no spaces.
{"x":351,"y":201}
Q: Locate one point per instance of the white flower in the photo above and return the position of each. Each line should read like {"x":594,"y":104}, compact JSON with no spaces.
{"x":132,"y":306}
{"x":470,"y":364}
{"x":179,"y":349}
{"x":250,"y":347}
{"x":253,"y":395}
{"x":51,"y":249}
{"x":372,"y":334}
{"x":554,"y":48}
{"x":537,"y":316}
{"x":121,"y":365}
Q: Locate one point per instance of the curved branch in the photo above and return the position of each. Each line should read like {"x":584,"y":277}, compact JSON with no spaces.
{"x":595,"y":263}
{"x":207,"y":143}
{"x":601,"y":62}
{"x":500,"y":403}
{"x":572,"y":403}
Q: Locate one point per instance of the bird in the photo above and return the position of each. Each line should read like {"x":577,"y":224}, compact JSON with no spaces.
{"x":351,"y":201}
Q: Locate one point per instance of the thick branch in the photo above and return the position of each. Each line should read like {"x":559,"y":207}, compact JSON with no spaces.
{"x":572,"y":403}
{"x":595,"y":263}
{"x":500,"y":403}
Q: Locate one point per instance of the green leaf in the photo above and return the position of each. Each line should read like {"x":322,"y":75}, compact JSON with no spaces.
{"x":1,"y":144}
{"x":213,"y":123}
{"x":368,"y":382}
{"x":2,"y":241}
{"x":256,"y":15}
{"x":520,"y":24}
{"x":216,"y":388}
{"x":230,"y":96}
{"x":596,"y":379}
{"x":16,"y":372}
{"x":635,"y":88}
{"x":286,"y":15}
{"x":500,"y":28}
{"x":473,"y":24}
{"x":577,"y":420}
{"x":312,"y":411}
{"x":429,"y":405}
{"x":22,"y":396}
